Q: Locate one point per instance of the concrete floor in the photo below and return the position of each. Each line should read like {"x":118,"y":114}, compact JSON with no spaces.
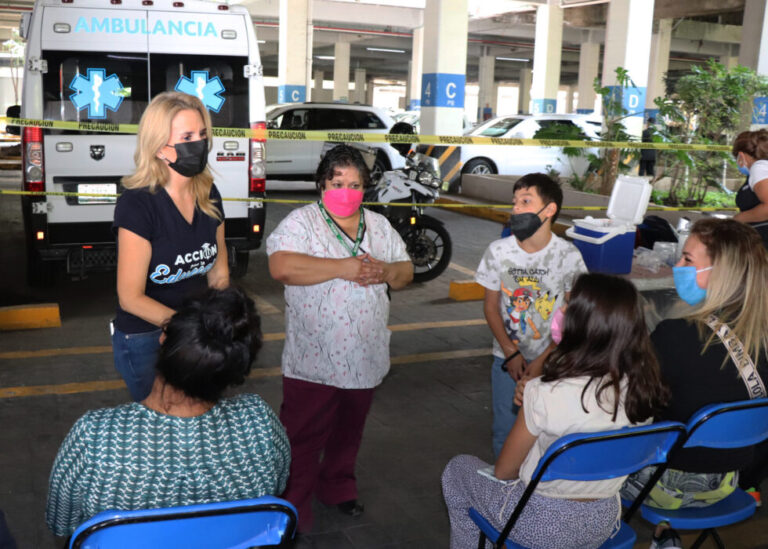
{"x":432,"y":406}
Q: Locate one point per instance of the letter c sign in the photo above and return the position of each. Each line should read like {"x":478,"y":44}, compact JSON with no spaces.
{"x":450,"y":90}
{"x":295,"y":95}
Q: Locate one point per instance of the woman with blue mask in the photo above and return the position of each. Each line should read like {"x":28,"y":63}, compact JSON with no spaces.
{"x":718,"y":352}
{"x":750,"y":149}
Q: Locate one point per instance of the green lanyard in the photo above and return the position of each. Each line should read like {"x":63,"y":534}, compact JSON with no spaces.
{"x":360,"y":230}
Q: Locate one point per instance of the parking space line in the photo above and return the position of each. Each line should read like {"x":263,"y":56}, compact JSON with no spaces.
{"x":275,"y":336}
{"x":258,"y":373}
{"x":461,"y":269}
{"x":263,"y":306}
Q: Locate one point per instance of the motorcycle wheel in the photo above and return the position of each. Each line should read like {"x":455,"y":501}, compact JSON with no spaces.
{"x":429,"y":246}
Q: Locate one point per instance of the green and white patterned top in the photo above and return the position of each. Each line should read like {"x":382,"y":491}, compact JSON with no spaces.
{"x":131,"y":457}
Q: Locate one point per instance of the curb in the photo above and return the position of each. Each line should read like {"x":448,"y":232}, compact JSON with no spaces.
{"x":27,"y":317}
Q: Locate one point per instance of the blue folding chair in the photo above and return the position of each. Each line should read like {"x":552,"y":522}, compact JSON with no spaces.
{"x":725,"y":426}
{"x":262,"y":522}
{"x":591,"y":456}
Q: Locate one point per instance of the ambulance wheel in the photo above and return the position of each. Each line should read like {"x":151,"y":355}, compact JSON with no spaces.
{"x":40,"y":274}
{"x":240,"y":264}
{"x":479,"y":166}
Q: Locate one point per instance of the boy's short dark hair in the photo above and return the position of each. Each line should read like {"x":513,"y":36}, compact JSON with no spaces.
{"x":547,"y":188}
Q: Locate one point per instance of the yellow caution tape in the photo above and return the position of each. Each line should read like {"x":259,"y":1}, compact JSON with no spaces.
{"x":393,"y":204}
{"x":361,"y":137}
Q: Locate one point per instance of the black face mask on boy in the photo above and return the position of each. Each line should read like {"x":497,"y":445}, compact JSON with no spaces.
{"x":191,"y":157}
{"x":524,"y":225}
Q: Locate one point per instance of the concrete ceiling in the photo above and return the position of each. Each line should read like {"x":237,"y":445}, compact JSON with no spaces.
{"x":703,"y":28}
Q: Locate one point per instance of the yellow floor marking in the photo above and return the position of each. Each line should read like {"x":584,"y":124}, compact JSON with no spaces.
{"x":97,"y":350}
{"x":259,"y":373}
{"x":466,"y":290}
{"x":263,"y":306}
{"x":275,"y":336}
{"x":27,"y":317}
{"x":461,"y":269}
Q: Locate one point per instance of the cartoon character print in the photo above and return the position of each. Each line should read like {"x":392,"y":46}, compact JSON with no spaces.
{"x":518,"y":317}
{"x":544,"y":305}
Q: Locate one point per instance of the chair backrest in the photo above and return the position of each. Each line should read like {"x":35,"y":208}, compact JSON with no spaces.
{"x":262,"y":522}
{"x":601,"y":455}
{"x":607,"y":454}
{"x":729,"y":425}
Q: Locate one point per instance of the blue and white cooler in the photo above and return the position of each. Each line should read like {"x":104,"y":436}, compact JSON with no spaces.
{"x":607,"y":244}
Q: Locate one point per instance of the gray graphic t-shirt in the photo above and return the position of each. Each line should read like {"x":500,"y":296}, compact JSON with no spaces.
{"x":532,"y":286}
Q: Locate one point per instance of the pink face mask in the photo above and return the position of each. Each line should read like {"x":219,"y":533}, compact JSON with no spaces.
{"x":556,"y":325}
{"x":342,"y":202}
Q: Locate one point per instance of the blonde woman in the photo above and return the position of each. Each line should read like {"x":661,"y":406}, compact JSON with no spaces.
{"x":724,"y":273}
{"x":169,"y":226}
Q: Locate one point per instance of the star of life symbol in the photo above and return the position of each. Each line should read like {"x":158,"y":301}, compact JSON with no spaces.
{"x":97,"y":92}
{"x":204,"y":88}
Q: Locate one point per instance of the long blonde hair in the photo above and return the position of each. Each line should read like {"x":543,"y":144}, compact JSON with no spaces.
{"x":737,"y":291}
{"x":154,"y":133}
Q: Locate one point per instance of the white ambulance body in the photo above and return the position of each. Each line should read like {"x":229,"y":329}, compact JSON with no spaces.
{"x":102,"y":61}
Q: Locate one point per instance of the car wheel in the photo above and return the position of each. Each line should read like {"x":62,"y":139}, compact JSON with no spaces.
{"x":479,"y":166}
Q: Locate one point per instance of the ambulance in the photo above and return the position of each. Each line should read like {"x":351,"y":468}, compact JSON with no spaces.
{"x":98,"y":63}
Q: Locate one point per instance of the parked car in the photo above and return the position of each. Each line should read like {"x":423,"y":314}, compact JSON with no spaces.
{"x":298,"y":160}
{"x":413,"y":118}
{"x":497,"y":159}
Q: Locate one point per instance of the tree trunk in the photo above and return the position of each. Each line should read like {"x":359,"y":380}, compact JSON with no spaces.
{"x":610,"y":171}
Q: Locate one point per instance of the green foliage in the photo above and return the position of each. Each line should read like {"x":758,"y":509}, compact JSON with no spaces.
{"x":707,"y":106}
{"x":571,"y":133}
{"x":713,"y":199}
{"x":612,"y":162}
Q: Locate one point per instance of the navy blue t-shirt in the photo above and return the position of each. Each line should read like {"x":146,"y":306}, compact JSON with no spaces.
{"x":182,"y":253}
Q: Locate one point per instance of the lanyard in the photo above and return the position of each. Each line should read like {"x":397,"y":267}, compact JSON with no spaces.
{"x":360,"y":230}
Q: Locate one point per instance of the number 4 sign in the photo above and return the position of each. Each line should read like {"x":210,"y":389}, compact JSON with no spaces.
{"x":442,"y":90}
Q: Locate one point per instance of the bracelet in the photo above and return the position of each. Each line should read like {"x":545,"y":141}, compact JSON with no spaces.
{"x":506,"y":360}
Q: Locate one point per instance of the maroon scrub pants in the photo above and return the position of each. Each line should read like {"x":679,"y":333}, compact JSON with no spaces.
{"x":325,"y":427}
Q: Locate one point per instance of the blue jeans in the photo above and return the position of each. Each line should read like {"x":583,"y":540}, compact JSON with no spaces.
{"x":504,"y":409}
{"x":135,"y":358}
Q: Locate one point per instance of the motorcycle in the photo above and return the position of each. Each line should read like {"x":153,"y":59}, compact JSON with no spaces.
{"x":426,"y":238}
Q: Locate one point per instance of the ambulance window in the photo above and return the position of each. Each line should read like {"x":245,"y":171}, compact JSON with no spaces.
{"x":218,"y":80}
{"x":97,"y":83}
{"x":367,"y":121}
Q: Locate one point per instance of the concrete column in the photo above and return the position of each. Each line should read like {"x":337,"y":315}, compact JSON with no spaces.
{"x":317,"y":89}
{"x":294,"y":64}
{"x":414,"y":70}
{"x":360,"y":86}
{"x":445,"y":61}
{"x":495,"y":99}
{"x":660,"y":43}
{"x":628,"y":45}
{"x":730,"y":59}
{"x":546,"y":57}
{"x":486,"y":88}
{"x":589,"y":62}
{"x":369,"y":92}
{"x":753,"y":52}
{"x":341,"y":72}
{"x":569,"y":97}
{"x":524,"y":93}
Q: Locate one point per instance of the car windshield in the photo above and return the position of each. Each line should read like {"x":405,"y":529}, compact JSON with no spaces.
{"x":500,"y":127}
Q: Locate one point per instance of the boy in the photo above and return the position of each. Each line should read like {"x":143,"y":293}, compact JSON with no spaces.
{"x":527,"y":277}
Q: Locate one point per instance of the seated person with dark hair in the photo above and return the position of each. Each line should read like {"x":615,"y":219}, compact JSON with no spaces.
{"x":183,"y":444}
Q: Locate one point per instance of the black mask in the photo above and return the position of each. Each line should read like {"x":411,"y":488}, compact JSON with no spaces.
{"x":525,"y":224}
{"x":191,"y":157}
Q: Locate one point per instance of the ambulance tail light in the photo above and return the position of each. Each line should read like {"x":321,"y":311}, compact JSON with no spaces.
{"x":32,"y":159}
{"x":258,"y":163}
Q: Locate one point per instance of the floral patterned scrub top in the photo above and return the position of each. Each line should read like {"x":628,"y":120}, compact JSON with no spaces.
{"x":336,"y":331}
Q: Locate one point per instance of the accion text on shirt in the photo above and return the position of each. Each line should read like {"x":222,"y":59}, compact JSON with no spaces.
{"x":196,"y":262}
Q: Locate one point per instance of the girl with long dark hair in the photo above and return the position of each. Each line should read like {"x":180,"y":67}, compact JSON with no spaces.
{"x":603,"y":375}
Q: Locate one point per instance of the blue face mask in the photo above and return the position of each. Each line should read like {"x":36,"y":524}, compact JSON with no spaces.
{"x":744,"y":170}
{"x":686,"y":286}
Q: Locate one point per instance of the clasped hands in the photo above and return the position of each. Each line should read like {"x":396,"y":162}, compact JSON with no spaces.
{"x":366,"y":270}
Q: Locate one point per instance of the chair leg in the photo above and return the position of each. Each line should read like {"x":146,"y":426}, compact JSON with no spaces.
{"x":481,"y":543}
{"x":717,"y":539}
{"x":702,"y":538}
